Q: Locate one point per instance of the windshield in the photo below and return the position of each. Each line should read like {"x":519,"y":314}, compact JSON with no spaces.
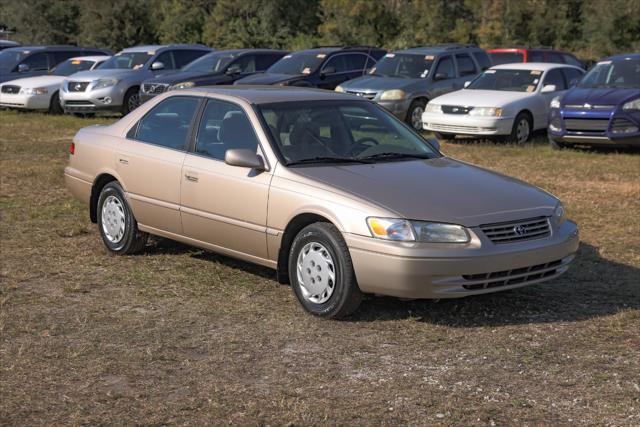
{"x":613,"y":74}
{"x":71,"y":66}
{"x":9,"y":58}
{"x":337,"y":131}
{"x":301,"y":63}
{"x":127,"y":61}
{"x":406,"y":66}
{"x":499,"y":58}
{"x":211,"y":63}
{"x":507,"y":80}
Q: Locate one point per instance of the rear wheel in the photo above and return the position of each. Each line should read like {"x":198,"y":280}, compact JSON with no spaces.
{"x":130,"y":101}
{"x":118,"y":227}
{"x":414,"y":115}
{"x":321,"y":272}
{"x":522,"y":129}
{"x":54,"y":104}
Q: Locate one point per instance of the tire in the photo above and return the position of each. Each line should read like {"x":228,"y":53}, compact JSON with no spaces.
{"x":131,"y":101}
{"x":522,"y":129}
{"x":320,"y":247}
{"x":118,"y":228}
{"x":414,"y":115}
{"x":54,"y":104}
{"x":444,"y":136}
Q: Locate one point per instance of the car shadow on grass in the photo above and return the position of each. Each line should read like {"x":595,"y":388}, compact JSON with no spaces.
{"x":593,"y":287}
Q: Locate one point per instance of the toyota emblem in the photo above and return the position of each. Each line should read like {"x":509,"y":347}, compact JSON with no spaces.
{"x":520,"y":230}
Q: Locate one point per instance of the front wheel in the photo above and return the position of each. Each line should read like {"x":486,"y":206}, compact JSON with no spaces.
{"x":414,"y":115}
{"x":54,"y":104}
{"x":130,"y":101}
{"x":118,"y":227}
{"x":321,"y":272}
{"x":522,"y":129}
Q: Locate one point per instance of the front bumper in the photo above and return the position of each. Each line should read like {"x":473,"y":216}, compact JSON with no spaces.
{"x":607,"y":135}
{"x":105,"y":99}
{"x":463,"y":124}
{"x":25,"y":102}
{"x":410,"y":270}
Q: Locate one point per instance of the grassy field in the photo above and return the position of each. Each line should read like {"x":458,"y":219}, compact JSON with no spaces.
{"x":178,"y":335}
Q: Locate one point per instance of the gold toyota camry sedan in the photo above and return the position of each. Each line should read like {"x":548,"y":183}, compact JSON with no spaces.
{"x":328,"y":189}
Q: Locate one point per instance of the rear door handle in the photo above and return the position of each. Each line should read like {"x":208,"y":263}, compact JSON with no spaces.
{"x":191,"y":176}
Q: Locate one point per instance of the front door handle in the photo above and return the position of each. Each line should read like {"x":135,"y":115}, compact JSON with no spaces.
{"x":191,"y":176}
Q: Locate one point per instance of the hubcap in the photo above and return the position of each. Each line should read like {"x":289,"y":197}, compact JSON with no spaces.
{"x":316,"y":273}
{"x":522,"y":131}
{"x":416,"y":118}
{"x":133,"y":102}
{"x":113,"y":223}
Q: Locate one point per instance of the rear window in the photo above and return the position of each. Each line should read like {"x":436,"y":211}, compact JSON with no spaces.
{"x":499,"y":58}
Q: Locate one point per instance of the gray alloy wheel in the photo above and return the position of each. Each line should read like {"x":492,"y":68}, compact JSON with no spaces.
{"x":522,"y":129}
{"x":414,"y":115}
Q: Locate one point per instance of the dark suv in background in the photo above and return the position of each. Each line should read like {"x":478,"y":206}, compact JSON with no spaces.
{"x":29,"y":61}
{"x":323,"y":67}
{"x":222,"y":67}
{"x":405,"y":80}
{"x":526,"y":54}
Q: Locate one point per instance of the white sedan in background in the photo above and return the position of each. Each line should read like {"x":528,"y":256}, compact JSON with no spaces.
{"x":41,"y":92}
{"x":510,"y":100}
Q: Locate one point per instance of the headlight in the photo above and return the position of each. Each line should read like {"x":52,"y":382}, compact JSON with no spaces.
{"x":33,"y":91}
{"x":632,"y":105}
{"x":410,"y":231}
{"x":182,"y":85}
{"x":559,"y":214}
{"x":339,"y":89}
{"x":486,"y":111}
{"x":555,"y":102}
{"x":393,"y":95}
{"x":102,"y":83}
{"x":433,"y":108}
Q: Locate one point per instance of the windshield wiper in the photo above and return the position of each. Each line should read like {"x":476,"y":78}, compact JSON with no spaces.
{"x":327,"y":159}
{"x":392,"y":155}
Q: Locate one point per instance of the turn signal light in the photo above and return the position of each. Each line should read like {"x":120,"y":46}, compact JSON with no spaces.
{"x":72,"y":148}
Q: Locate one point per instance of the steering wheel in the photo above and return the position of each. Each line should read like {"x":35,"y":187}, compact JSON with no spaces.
{"x":363,"y":144}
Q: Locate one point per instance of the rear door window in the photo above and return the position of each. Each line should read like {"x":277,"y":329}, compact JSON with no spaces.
{"x":184,"y":57}
{"x":168,"y":123}
{"x":356,"y":62}
{"x":445,"y":68}
{"x":466,"y":67}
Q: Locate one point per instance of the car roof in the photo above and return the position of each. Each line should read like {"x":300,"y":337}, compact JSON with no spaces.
{"x":270,"y":94}
{"x":542,"y":66}
{"x":90,"y":58}
{"x":623,"y":56}
{"x":332,"y":49}
{"x":50,"y":47}
{"x":248,"y":50}
{"x":438,"y":49}
{"x":156,"y":47}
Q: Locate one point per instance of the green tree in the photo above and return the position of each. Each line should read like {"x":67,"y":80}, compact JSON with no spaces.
{"x":42,"y":21}
{"x":181,"y":21}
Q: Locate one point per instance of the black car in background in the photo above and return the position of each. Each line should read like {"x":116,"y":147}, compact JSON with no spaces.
{"x":222,"y":67}
{"x":323,"y":67}
{"x":29,"y":61}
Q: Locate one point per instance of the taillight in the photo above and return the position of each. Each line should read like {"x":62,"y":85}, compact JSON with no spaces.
{"x":72,"y":148}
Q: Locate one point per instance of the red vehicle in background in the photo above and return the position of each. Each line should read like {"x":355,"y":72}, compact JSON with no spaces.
{"x":524,"y":54}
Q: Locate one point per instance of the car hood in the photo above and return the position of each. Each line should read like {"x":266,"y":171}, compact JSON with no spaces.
{"x":38,"y":81}
{"x":111,"y":74}
{"x":267,"y":79}
{"x":481,"y":98}
{"x":377,"y":83}
{"x":441,"y":189}
{"x":599,"y":96}
{"x":184,"y":76}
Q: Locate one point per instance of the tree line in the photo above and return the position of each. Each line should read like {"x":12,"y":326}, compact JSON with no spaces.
{"x":589,"y":28}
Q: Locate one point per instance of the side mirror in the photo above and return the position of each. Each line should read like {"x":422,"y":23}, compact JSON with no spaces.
{"x":467,"y":83}
{"x":548,"y":88}
{"x":441,"y":76}
{"x":328,"y":70}
{"x":23,"y":68}
{"x":234,"y":69}
{"x":435,"y":143}
{"x":157,"y":66}
{"x":243,"y":158}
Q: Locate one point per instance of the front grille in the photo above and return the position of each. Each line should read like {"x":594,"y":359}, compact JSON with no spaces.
{"x":154,"y":88}
{"x":13,"y":89}
{"x":80,"y":103}
{"x":455,"y":109}
{"x":515,"y":231}
{"x":77,"y":86}
{"x":440,"y":127}
{"x":586,"y":125}
{"x":367,"y":95}
{"x":513,"y":277}
{"x":592,"y":107}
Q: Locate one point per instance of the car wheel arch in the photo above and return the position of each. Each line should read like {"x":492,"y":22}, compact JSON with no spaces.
{"x":294,"y":226}
{"x":98,"y":184}
{"x":528,"y":113}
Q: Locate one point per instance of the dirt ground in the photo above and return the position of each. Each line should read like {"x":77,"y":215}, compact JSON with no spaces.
{"x":178,"y":335}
